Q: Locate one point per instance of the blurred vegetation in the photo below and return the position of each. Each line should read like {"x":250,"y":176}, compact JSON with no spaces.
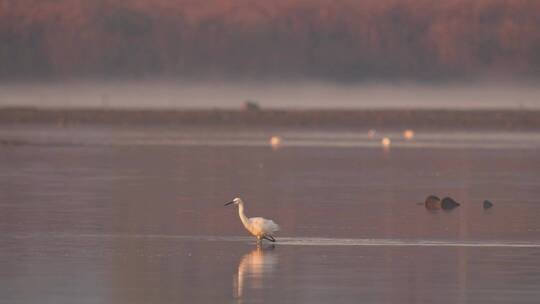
{"x":342,"y":40}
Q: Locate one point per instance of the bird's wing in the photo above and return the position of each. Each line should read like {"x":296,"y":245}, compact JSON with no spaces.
{"x":273,"y":225}
{"x":266,"y":225}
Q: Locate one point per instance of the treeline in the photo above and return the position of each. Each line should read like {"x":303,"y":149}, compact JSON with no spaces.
{"x":339,"y":39}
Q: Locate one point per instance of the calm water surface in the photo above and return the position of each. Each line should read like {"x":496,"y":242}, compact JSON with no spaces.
{"x":112,"y":215}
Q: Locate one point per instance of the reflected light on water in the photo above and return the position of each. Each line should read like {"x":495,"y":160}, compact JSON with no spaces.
{"x":408,"y":134}
{"x":252,"y":270}
{"x":385,"y":142}
{"x":275,"y":142}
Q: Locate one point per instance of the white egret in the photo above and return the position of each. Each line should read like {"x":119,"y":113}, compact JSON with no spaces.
{"x":260,"y":227}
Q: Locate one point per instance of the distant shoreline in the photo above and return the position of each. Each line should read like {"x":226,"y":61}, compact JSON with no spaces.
{"x":379,"y":119}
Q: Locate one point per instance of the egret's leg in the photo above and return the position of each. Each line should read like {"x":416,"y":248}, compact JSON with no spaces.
{"x":269,"y":237}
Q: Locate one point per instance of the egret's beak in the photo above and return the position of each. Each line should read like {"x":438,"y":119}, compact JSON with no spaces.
{"x":229,"y":203}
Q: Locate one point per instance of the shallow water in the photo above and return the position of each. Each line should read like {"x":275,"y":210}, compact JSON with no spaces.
{"x":100,"y":215}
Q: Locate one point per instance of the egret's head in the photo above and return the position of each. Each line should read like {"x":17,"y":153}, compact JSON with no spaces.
{"x":235,"y":201}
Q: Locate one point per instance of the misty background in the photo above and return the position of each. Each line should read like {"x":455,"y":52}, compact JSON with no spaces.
{"x":218,"y":53}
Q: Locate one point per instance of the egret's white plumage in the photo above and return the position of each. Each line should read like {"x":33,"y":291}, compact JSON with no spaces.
{"x":260,"y":227}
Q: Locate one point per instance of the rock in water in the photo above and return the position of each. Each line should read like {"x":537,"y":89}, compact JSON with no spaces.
{"x":432,"y":202}
{"x":487,"y":204}
{"x":448,"y":203}
{"x":251,"y":106}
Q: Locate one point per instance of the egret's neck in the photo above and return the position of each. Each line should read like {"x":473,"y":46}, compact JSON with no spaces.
{"x":242,"y":215}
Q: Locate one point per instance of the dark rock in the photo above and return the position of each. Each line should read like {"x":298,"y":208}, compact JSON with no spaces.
{"x":487,"y":204}
{"x":448,"y":203}
{"x":251,"y":106}
{"x":432,"y":202}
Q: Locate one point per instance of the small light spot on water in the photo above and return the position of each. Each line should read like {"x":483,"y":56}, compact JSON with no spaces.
{"x":275,"y":141}
{"x":408,"y":134}
{"x":386,"y":142}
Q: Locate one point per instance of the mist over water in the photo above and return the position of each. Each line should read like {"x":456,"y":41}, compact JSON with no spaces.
{"x":297,"y":94}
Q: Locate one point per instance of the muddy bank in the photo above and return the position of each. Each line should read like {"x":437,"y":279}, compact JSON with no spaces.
{"x":420,"y":119}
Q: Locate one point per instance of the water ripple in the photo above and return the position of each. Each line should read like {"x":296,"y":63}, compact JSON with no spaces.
{"x":293,"y":241}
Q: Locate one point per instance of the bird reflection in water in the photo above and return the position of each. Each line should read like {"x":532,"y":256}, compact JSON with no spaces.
{"x":253,"y":268}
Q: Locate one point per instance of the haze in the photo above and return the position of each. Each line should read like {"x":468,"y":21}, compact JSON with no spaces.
{"x":282,"y":53}
{"x":340,"y":40}
{"x":296,"y":94}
